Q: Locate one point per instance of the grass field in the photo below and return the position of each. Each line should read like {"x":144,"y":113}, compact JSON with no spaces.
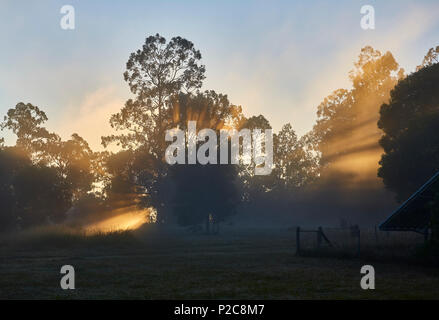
{"x":237,"y":264}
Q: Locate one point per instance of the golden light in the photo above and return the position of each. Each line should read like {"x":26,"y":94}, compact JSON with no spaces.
{"x":126,"y":221}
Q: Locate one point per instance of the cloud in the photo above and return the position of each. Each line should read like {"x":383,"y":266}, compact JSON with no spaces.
{"x":91,"y":118}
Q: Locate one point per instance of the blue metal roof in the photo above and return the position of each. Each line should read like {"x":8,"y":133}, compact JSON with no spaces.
{"x":413,"y":214}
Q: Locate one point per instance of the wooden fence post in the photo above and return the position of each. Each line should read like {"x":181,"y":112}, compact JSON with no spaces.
{"x":319,"y":237}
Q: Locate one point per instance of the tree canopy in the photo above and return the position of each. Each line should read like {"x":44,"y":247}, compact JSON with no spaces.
{"x":410,"y":141}
{"x":43,"y":175}
{"x":155,"y":73}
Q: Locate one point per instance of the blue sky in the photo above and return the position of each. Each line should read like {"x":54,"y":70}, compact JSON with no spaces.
{"x":278,"y":58}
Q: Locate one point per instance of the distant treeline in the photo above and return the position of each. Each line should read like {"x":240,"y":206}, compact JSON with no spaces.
{"x":330,"y":171}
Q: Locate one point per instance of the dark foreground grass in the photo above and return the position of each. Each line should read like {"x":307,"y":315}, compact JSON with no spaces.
{"x":168,"y":264}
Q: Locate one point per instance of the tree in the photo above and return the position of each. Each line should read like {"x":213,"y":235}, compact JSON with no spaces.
{"x":42,"y":195}
{"x":124,"y":188}
{"x":267,"y":197}
{"x":334,"y":117}
{"x":154,"y":74}
{"x":430,"y":58}
{"x":295,"y":165}
{"x":346,"y":126}
{"x":140,"y":177}
{"x":410,"y":141}
{"x":12,"y":161}
{"x":75,"y":162}
{"x":209,"y":109}
{"x":255,"y":185}
{"x":30,"y":194}
{"x":204,"y":193}
{"x":73,"y":159}
{"x":25,"y":122}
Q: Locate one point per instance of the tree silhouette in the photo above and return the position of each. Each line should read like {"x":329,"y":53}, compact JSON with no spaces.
{"x":43,"y":196}
{"x":25,"y":122}
{"x":73,"y":159}
{"x":430,"y":58}
{"x":57,"y":174}
{"x":410,"y":142}
{"x":205,"y":193}
{"x":154,"y":74}
{"x":12,"y":161}
{"x":30,"y":194}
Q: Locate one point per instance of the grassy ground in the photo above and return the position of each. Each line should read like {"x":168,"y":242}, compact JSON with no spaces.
{"x":244,"y":264}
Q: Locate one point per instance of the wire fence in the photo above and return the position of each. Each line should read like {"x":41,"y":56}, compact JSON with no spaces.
{"x":353,"y":239}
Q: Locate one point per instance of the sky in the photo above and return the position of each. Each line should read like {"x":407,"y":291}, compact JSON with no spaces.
{"x":276,"y":58}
